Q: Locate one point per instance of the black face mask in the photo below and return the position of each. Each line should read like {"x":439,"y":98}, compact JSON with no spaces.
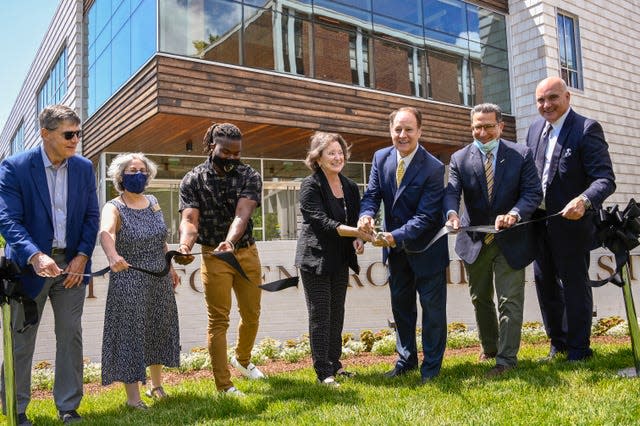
{"x":226,"y":164}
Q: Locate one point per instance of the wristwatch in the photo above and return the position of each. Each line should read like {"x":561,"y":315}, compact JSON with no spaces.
{"x":587,"y":202}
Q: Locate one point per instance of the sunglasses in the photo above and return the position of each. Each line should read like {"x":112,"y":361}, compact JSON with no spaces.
{"x":69,"y":135}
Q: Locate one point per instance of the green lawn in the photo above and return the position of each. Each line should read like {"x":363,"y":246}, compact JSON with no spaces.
{"x":558,"y":393}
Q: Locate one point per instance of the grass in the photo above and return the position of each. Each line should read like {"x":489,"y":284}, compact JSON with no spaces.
{"x":558,"y":393}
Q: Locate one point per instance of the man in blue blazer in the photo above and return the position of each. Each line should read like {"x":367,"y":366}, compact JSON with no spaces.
{"x":410,"y":182}
{"x":500,"y":186}
{"x":575,"y":170}
{"x":49,"y":217}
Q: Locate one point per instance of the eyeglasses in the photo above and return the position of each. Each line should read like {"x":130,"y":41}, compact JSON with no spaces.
{"x":485,"y":127}
{"x":70,"y":134}
{"x":134,"y":171}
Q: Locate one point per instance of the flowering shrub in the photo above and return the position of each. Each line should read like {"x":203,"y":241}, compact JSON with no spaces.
{"x":385,"y":346}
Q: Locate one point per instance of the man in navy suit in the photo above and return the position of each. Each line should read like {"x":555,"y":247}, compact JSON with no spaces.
{"x":500,"y":186}
{"x":410,"y":182}
{"x":574,"y":166}
{"x":49,"y":218}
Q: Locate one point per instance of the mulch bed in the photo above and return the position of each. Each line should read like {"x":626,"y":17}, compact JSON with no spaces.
{"x":278,"y":367}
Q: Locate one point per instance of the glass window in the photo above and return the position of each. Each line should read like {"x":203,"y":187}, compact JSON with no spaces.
{"x":359,"y":58}
{"x":492,"y":85}
{"x":444,"y":20}
{"x":390,"y":57}
{"x":331,"y":56}
{"x":359,"y":10}
{"x":405,"y":16}
{"x":17,"y":141}
{"x":295,"y":36}
{"x":569,"y":46}
{"x":122,"y":37}
{"x":258,"y":38}
{"x":54,"y":87}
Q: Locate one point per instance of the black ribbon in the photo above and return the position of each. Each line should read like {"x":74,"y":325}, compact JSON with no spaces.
{"x":225,"y":256}
{"x":620,"y":233}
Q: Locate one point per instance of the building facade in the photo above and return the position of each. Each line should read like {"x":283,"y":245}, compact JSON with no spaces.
{"x":152,"y":75}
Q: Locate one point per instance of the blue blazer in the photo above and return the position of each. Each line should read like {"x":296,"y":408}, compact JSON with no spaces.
{"x":516,"y":188}
{"x":25,"y":212}
{"x":580,"y":165}
{"x":412,"y":212}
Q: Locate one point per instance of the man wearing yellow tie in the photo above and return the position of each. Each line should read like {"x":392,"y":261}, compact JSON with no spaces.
{"x":410,"y":182}
{"x":500,"y":185}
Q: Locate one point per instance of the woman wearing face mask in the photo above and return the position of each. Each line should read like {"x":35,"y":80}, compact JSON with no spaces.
{"x":141,"y":317}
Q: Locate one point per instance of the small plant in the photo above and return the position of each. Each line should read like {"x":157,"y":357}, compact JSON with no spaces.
{"x":620,"y":330}
{"x":382,"y":333}
{"x":42,"y":365}
{"x":456,"y":327}
{"x":352,"y":348}
{"x":532,"y":325}
{"x":367,"y":339}
{"x":385,"y":346}
{"x":270,"y":348}
{"x":604,"y":324}
{"x":462,"y":339}
{"x":346,"y":337}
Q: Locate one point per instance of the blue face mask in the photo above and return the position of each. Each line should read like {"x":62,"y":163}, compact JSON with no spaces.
{"x":134,"y":183}
{"x":486,"y":147}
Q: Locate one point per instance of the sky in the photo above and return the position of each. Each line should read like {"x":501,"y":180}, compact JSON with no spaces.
{"x":23,"y":23}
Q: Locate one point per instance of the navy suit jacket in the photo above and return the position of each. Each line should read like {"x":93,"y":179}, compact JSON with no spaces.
{"x":516,"y":188}
{"x":25,"y":212}
{"x":412,"y":212}
{"x":580,"y":165}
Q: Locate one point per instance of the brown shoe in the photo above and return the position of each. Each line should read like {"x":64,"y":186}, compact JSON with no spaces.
{"x":485,"y":356}
{"x":499,"y":369}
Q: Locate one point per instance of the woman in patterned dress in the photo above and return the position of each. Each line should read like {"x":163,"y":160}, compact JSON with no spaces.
{"x":141,"y":316}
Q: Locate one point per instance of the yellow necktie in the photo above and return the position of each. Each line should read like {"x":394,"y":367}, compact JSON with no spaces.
{"x":488,"y":172}
{"x":400,"y":172}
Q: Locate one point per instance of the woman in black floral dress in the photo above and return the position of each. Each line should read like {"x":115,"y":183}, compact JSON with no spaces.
{"x":141,"y":316}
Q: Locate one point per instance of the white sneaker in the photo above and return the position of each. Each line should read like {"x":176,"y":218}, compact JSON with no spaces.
{"x":250,"y":371}
{"x":233,"y":391}
{"x":330,"y":382}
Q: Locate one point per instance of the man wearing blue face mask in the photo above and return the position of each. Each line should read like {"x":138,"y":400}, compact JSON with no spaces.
{"x":500,"y":186}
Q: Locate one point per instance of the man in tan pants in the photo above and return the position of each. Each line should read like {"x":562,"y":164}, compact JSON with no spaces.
{"x":217,"y":199}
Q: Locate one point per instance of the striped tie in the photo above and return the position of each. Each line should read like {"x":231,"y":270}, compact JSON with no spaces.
{"x":488,"y":172}
{"x":400,"y":172}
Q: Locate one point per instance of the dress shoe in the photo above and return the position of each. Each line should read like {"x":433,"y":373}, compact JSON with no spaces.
{"x":70,"y":416}
{"x":396,"y":372}
{"x":580,"y":356}
{"x":554,"y":353}
{"x":428,"y":379}
{"x":23,"y":420}
{"x":499,"y":370}
{"x":486,"y":356}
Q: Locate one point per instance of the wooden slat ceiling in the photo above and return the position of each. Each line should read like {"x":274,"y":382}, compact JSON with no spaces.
{"x":170,"y":133}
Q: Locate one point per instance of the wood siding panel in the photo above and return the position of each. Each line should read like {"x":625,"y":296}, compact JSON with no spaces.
{"x":180,"y":98}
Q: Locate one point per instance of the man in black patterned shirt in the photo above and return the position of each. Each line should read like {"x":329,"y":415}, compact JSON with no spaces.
{"x":217,"y":199}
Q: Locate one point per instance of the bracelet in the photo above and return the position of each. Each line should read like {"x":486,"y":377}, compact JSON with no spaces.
{"x":233,"y":246}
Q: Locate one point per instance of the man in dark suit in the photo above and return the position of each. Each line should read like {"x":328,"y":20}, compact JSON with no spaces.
{"x":500,"y":186}
{"x":575,"y":170}
{"x":409,"y":181}
{"x":49,"y":218}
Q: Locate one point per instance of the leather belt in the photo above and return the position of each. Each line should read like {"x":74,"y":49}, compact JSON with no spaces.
{"x":56,"y":251}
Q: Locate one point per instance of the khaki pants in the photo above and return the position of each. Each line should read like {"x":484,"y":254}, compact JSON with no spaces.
{"x":218,"y":279}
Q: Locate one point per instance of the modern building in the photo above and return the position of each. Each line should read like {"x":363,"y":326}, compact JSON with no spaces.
{"x":152,"y":75}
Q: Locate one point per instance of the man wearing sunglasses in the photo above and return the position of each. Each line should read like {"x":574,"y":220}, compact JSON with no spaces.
{"x":49,"y":217}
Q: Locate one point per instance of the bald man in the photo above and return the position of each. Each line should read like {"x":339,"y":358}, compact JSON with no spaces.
{"x":574,"y":166}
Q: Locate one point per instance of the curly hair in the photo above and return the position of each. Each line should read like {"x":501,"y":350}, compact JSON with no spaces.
{"x":120,"y":163}
{"x":319,"y":141}
{"x":218,"y":133}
